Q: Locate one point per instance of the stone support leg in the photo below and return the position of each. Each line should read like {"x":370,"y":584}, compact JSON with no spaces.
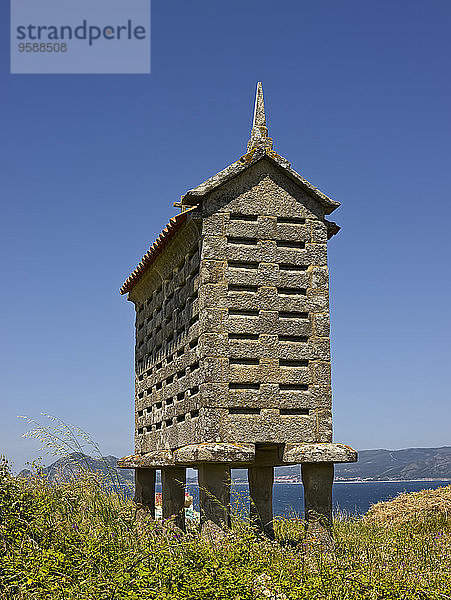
{"x":173,"y":481}
{"x":261,"y":480}
{"x":317,"y":479}
{"x":214,"y":496}
{"x":145,"y":489}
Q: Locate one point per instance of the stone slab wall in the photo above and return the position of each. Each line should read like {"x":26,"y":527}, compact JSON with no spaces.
{"x":264,"y":312}
{"x":167,"y":368}
{"x":232,"y":326}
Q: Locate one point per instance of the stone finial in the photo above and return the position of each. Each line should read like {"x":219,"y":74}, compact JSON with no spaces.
{"x":259,"y":133}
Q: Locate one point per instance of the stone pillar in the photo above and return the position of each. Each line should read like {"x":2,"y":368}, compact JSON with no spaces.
{"x":145,"y":489}
{"x":214,"y":497}
{"x":173,"y":481}
{"x":317,"y":479}
{"x":261,"y":480}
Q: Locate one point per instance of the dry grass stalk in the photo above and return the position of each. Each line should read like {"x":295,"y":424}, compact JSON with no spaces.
{"x":413,"y":506}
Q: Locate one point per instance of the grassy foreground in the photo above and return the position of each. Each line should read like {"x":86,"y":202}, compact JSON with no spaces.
{"x":74,"y":540}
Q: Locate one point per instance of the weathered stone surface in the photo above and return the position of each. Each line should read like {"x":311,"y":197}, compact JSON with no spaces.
{"x":145,"y":489}
{"x":317,"y":480}
{"x":215,"y":453}
{"x":259,"y":134}
{"x":214,"y":497}
{"x":146,"y":461}
{"x":261,"y":481}
{"x":245,"y":162}
{"x":173,"y":480}
{"x":313,"y":453}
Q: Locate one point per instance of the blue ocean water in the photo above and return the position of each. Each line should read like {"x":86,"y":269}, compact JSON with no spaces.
{"x":349,"y":498}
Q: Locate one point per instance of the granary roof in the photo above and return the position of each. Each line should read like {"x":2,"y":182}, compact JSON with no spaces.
{"x":193,"y":196}
{"x":258,"y":148}
{"x":158,"y":245}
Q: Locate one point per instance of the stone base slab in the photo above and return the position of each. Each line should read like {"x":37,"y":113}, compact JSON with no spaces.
{"x":237,"y":455}
{"x":215,"y":453}
{"x":151,"y":460}
{"x":314,"y":453}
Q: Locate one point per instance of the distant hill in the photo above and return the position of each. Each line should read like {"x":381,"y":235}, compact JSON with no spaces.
{"x":373,"y":465}
{"x":411,"y":463}
{"x":76,"y":462}
{"x":381,"y":465}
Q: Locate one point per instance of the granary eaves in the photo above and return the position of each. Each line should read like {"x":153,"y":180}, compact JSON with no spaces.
{"x":165,"y":236}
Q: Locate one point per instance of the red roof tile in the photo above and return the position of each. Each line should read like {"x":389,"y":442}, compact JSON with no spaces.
{"x":158,"y":245}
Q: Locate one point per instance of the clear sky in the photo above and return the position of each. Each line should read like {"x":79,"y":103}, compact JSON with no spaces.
{"x":358,"y":99}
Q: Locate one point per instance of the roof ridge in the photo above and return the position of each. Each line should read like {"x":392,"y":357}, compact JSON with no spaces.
{"x":244,"y":162}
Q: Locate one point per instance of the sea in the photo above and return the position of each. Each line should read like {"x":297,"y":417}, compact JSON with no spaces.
{"x":349,"y":498}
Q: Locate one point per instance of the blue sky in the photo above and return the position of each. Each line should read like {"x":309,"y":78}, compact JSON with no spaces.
{"x":357,"y":97}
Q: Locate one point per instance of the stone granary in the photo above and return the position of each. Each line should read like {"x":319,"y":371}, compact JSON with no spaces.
{"x":232,"y":340}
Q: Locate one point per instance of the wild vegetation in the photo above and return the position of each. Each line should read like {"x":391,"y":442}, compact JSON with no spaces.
{"x":74,"y":540}
{"x":80,"y":538}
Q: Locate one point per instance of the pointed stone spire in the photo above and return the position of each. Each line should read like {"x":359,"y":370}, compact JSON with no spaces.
{"x":259,"y":133}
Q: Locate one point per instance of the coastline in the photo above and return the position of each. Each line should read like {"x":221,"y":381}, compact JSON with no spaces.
{"x":445,"y":480}
{"x":448,"y":481}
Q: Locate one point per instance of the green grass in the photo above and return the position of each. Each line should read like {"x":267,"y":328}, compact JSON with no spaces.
{"x":73,"y":540}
